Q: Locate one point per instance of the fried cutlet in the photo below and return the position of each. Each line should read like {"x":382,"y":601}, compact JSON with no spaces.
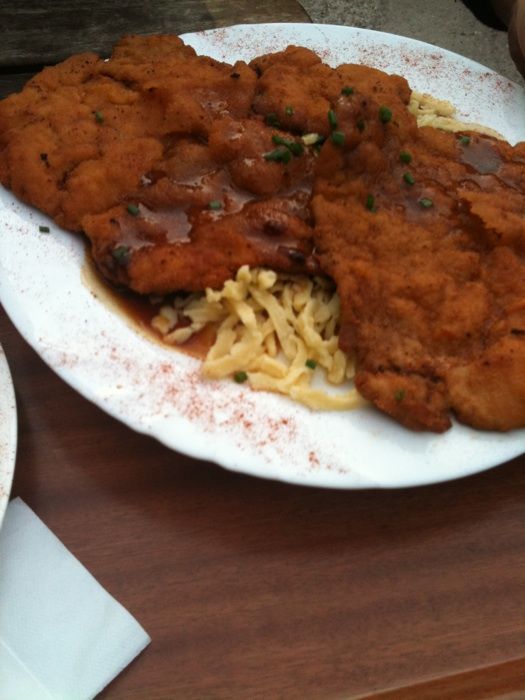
{"x":180,"y":169}
{"x":424,"y":234}
{"x":157,"y":156}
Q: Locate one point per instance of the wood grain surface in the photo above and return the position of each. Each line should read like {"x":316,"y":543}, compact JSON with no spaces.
{"x":257,"y":589}
{"x":501,"y":682}
{"x":252,"y":588}
{"x":44,"y":33}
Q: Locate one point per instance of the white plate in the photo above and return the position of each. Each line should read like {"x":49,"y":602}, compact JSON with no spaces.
{"x":8,"y":433}
{"x":159,"y":392}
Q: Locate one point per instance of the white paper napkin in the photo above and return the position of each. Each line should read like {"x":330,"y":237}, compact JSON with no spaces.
{"x":62,"y":636}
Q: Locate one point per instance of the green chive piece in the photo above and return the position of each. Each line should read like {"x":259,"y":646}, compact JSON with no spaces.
{"x":399,"y":395}
{"x":121,"y":254}
{"x":311,"y":364}
{"x":338,"y":138}
{"x":215,"y":204}
{"x":289,"y":110}
{"x":370,"y":202}
{"x":464,"y":140}
{"x":405,"y":157}
{"x":385,"y":114}
{"x":347,"y":91}
{"x":99,"y":117}
{"x":279,"y":155}
{"x":361,"y":124}
{"x":272,"y":119}
{"x":240,"y":377}
{"x":296,"y":148}
{"x":408,"y":178}
{"x":426,"y":203}
{"x":133,"y":209}
{"x":332,"y":118}
{"x":319,"y":143}
{"x":293,"y":146}
{"x":43,"y":229}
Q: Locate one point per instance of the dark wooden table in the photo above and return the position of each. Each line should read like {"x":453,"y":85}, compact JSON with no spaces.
{"x":252,"y":588}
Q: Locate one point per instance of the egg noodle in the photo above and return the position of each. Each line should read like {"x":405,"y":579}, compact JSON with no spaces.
{"x":273,"y":330}
{"x":440,"y":114}
{"x":276,"y":331}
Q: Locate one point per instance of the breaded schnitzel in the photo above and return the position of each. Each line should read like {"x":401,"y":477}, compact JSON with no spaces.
{"x":157,"y":156}
{"x":181,"y":169}
{"x":424,"y":233}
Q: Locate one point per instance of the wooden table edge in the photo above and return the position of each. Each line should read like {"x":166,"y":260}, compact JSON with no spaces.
{"x":501,"y":681}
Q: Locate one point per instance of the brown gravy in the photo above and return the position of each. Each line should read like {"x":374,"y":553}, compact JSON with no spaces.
{"x":139,"y":311}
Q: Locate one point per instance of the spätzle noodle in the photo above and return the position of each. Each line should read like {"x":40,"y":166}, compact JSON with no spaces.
{"x":440,"y":114}
{"x":277,"y":329}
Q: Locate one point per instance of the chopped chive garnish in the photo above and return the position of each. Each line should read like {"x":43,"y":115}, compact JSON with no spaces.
{"x":280,"y":155}
{"x":295,"y":147}
{"x":43,"y":229}
{"x":464,"y":140}
{"x":399,"y":395}
{"x":347,"y":91}
{"x":361,"y":124}
{"x":338,"y":138}
{"x":214,"y":204}
{"x":272,"y":119}
{"x":311,"y":364}
{"x":385,"y":114}
{"x":408,"y":178}
{"x":133,"y":209}
{"x":405,"y":157}
{"x":319,"y":143}
{"x":99,"y":117}
{"x":121,"y":254}
{"x":370,"y":202}
{"x":43,"y":156}
{"x":289,"y":110}
{"x":332,"y":119}
{"x":426,"y":203}
{"x":240,"y":377}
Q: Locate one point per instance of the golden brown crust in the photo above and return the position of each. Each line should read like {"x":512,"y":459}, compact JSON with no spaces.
{"x":164,"y":159}
{"x":428,"y":260}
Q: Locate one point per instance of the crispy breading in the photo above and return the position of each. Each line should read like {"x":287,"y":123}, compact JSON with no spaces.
{"x":428,"y":260}
{"x":157,"y":127}
{"x":180,"y":169}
